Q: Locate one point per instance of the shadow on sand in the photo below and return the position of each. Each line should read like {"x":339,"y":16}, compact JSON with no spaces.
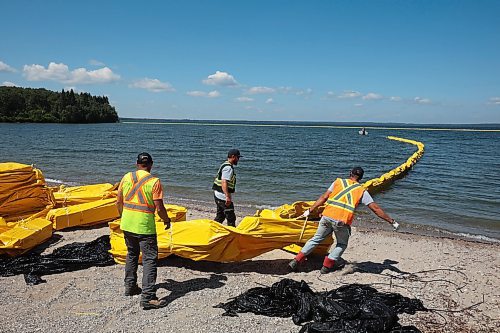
{"x":180,"y":289}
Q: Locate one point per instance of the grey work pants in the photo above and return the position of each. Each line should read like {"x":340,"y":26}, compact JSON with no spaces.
{"x":326,"y":227}
{"x":147,"y":244}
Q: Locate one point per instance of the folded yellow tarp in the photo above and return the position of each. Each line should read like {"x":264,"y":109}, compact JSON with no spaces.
{"x":22,"y":191}
{"x":292,"y":211}
{"x":68,"y":196}
{"x":212,"y":241}
{"x":86,"y":214}
{"x":19,"y":237}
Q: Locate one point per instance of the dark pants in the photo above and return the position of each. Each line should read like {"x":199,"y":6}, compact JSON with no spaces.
{"x":225,"y":212}
{"x":147,"y":244}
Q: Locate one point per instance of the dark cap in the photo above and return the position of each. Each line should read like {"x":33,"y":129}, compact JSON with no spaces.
{"x":144,"y":158}
{"x":232,"y":152}
{"x":358,"y":172}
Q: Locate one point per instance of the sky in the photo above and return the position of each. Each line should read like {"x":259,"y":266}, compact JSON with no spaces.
{"x":421,"y":62}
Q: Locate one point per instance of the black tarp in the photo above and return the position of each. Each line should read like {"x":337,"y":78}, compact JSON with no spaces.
{"x":68,"y":258}
{"x":353,"y":308}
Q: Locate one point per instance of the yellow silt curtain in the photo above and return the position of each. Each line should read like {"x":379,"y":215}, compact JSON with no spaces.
{"x":212,"y":241}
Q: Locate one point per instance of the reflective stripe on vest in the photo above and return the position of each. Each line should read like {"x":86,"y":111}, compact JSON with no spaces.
{"x":343,"y":200}
{"x":142,"y":205}
{"x":231,"y":184}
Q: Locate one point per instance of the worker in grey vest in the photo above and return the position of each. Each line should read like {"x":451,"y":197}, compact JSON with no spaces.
{"x":224,"y":186}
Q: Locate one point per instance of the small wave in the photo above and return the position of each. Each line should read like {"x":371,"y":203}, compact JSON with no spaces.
{"x":51,"y":181}
{"x":472,"y":236}
{"x":57,"y":181}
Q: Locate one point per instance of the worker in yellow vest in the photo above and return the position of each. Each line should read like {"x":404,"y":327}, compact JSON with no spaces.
{"x":139,"y":195}
{"x":341,"y":199}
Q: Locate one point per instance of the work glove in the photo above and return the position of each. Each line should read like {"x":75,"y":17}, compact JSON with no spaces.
{"x":167,"y":224}
{"x":395,"y":225}
{"x":305,"y":214}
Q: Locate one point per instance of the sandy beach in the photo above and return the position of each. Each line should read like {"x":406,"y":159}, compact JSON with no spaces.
{"x":456,"y":277}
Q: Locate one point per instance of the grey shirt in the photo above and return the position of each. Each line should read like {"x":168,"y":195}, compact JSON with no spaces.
{"x":227,"y":173}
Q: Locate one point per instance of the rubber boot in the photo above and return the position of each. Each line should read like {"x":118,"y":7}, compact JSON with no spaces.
{"x":295,"y":262}
{"x":327,"y":265}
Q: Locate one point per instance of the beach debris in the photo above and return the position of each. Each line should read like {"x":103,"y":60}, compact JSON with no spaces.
{"x":68,"y":258}
{"x":350,"y":308}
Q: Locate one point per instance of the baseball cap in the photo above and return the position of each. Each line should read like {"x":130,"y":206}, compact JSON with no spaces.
{"x":232,"y":152}
{"x":144,"y":158}
{"x":358,"y":171}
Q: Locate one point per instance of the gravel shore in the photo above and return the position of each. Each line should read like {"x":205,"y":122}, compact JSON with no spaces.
{"x":449,"y":274}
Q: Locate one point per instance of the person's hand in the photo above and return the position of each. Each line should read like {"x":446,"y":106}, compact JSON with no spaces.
{"x":395,"y":225}
{"x":228,"y":202}
{"x":305,"y":214}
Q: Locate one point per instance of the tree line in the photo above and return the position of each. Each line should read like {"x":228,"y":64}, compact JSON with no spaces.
{"x":46,"y":106}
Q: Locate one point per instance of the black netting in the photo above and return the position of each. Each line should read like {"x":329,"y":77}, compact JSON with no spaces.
{"x":71,"y":257}
{"x":353,"y":308}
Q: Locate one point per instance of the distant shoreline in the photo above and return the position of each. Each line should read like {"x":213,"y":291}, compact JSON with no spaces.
{"x":494,"y":127}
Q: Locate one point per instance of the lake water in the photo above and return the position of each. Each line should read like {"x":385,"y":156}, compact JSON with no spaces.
{"x":455,"y":186}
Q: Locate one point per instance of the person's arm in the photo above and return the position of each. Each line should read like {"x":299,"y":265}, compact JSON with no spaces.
{"x":321,"y":200}
{"x":158,"y":201}
{"x":162,"y":212}
{"x":380,"y":212}
{"x":119,"y":200}
{"x":225,"y":189}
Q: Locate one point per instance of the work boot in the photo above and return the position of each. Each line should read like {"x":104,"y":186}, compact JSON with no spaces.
{"x":293,"y":265}
{"x":135,"y":290}
{"x":152,"y":304}
{"x":327,"y":265}
{"x":296,"y":261}
{"x":325,"y":270}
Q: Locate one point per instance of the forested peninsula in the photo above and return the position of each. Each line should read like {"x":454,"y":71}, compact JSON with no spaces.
{"x":46,"y":106}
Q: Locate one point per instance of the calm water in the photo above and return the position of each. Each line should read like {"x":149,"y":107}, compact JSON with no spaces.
{"x":455,"y":186}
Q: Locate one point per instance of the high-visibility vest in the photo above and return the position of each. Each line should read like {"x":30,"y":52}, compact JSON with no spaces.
{"x":231,"y":184}
{"x":343,"y":200}
{"x":138,"y":214}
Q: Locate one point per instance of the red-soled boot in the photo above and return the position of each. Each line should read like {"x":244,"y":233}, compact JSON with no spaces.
{"x":327,"y":265}
{"x":295,"y":262}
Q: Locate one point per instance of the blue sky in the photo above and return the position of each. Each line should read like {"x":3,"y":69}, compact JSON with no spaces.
{"x":373,"y":61}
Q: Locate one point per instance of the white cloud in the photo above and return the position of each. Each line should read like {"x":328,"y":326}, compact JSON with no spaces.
{"x":60,"y":72}
{"x":306,"y":92}
{"x":395,"y":98}
{"x":244,"y":99}
{"x":495,"y":100}
{"x":213,"y":94}
{"x":350,"y":94}
{"x":98,"y":63}
{"x":358,"y":105}
{"x":286,"y":90}
{"x":372,"y":96}
{"x":220,"y":79}
{"x":295,"y":91}
{"x":330,"y":94}
{"x":6,"y":68}
{"x":153,"y":85}
{"x":196,"y":93}
{"x":269,"y":101}
{"x":9,"y":84}
{"x":260,"y":90}
{"x":420,"y":100}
